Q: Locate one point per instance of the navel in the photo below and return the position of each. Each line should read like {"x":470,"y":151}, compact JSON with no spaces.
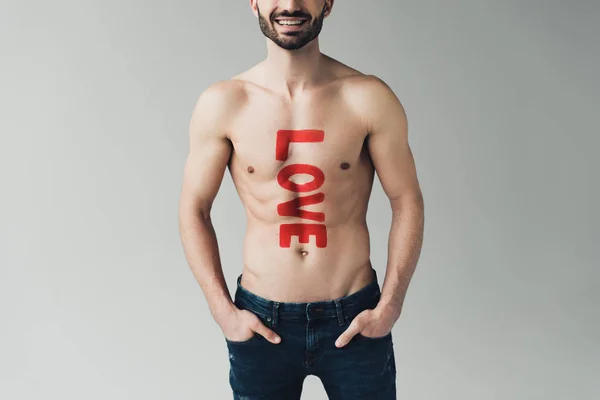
{"x":344,"y":165}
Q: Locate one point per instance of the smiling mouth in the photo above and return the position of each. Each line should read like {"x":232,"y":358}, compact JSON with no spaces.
{"x":290,"y":21}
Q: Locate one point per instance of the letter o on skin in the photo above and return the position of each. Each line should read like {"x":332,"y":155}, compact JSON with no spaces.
{"x":284,"y":175}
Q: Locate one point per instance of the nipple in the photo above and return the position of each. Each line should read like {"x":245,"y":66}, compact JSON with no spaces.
{"x":250,"y":169}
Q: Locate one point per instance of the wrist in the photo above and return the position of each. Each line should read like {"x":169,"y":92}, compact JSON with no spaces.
{"x":224,"y":312}
{"x":389,"y":310}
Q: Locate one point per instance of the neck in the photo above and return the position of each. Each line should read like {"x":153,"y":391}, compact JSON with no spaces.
{"x":290,"y":72}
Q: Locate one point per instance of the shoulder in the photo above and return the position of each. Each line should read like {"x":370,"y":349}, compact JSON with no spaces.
{"x":372,"y":99}
{"x":222,"y":96}
{"x":353,"y":83}
{"x":368,"y":90}
{"x":218,"y":104}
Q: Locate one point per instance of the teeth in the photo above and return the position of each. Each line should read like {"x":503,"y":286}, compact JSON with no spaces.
{"x":290,"y":22}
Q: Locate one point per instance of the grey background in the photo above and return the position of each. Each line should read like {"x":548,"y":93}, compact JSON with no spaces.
{"x":96,"y":299}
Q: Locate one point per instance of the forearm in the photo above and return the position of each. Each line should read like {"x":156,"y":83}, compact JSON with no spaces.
{"x":202,"y":253}
{"x":404,"y":248}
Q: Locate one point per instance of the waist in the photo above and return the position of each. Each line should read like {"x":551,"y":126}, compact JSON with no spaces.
{"x":305,"y":271}
{"x":365,"y":297}
{"x":266,"y":244}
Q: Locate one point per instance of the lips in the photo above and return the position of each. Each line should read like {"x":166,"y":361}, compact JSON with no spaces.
{"x":290,"y":21}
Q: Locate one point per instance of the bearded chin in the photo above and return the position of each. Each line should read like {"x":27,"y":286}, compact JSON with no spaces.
{"x":290,"y":42}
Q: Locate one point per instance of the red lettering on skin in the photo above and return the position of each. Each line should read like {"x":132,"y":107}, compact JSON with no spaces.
{"x":292,"y":208}
{"x":303,"y":232}
{"x":285,"y":136}
{"x":284,"y":175}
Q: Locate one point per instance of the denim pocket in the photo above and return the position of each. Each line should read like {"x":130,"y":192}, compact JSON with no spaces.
{"x":263,"y":318}
{"x":351,"y":317}
{"x":242,"y":341}
{"x":384,"y":337}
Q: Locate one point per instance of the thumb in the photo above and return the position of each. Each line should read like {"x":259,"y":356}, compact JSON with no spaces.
{"x":353,"y":329}
{"x":267,"y":333}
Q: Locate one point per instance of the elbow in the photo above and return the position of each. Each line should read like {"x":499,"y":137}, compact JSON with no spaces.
{"x":411,"y":200}
{"x":194,"y":212}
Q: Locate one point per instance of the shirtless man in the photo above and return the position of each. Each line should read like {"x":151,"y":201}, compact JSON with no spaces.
{"x":302,"y":135}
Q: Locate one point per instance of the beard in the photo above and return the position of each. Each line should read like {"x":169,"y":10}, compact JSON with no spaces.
{"x":292,"y":40}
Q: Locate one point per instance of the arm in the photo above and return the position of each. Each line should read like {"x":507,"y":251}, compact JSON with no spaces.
{"x":395,"y":166}
{"x":209,"y":152}
{"x":391,"y":155}
{"x":208,"y":156}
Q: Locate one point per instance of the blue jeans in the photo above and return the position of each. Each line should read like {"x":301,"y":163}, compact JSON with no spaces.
{"x":363,"y":369}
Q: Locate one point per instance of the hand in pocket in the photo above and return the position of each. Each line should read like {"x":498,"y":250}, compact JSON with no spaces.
{"x":242,"y":325}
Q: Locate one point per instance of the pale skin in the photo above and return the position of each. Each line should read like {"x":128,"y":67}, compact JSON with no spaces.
{"x":234,"y":125}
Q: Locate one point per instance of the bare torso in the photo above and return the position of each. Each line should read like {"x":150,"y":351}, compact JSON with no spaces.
{"x":340,"y":264}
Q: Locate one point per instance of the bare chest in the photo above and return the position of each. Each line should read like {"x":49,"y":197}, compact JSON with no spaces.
{"x":316,"y":137}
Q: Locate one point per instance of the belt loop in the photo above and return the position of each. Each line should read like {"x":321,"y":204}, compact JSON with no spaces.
{"x":340,"y":314}
{"x":275,"y":314}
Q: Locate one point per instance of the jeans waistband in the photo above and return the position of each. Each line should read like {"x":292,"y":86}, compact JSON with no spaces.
{"x":366,"y":297}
